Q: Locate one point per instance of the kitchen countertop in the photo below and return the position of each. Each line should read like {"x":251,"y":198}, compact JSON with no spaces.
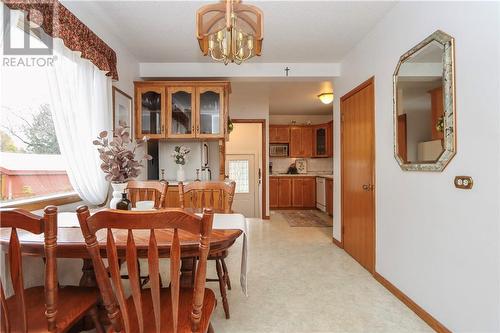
{"x":309,"y":174}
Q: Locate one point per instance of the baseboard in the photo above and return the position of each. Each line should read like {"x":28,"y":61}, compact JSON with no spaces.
{"x":336,"y":242}
{"x":267,"y":217}
{"x":424,"y":315}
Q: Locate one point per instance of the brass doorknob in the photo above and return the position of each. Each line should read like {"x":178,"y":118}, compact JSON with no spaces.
{"x":366,"y":187}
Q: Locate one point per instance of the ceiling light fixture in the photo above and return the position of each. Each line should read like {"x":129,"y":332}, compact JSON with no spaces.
{"x":326,"y":98}
{"x":230,"y":31}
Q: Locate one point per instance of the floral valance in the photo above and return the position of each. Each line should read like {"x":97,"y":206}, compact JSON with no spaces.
{"x":58,"y":22}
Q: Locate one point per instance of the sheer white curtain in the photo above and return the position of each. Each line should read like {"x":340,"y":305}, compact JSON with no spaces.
{"x":80,"y":104}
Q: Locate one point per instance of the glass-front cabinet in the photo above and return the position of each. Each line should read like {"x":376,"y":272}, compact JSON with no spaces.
{"x":181,"y":112}
{"x":181,"y":109}
{"x":210,"y":101}
{"x":150,"y":112}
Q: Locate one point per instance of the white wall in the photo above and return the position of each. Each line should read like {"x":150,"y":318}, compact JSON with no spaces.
{"x":279,"y":119}
{"x":250,"y":100}
{"x":437,"y":244}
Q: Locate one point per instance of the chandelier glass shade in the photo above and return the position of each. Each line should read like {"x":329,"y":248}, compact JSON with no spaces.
{"x":230,"y":31}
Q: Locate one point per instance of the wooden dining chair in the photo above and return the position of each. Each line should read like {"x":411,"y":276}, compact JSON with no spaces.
{"x":150,"y":190}
{"x":146,"y":190}
{"x":218,"y":196}
{"x":37,"y":309}
{"x":157,"y":309}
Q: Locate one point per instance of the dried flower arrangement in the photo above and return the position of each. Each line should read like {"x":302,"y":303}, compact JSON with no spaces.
{"x":180,"y":154}
{"x":118,"y":155}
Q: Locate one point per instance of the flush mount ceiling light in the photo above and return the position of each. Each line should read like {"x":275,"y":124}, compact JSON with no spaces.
{"x":230,"y":31}
{"x":326,"y":98}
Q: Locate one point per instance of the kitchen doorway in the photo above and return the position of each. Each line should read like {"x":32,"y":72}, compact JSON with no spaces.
{"x":245,"y":163}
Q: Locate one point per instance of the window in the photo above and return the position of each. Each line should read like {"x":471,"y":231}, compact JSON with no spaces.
{"x":239,"y":172}
{"x":31,"y":166}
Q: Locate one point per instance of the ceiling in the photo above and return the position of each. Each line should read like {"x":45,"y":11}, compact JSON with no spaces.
{"x":298,"y":98}
{"x":294,"y":31}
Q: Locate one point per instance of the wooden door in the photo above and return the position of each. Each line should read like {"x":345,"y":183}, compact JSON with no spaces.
{"x":309,"y":192}
{"x":181,"y":106}
{"x":150,"y":112}
{"x":285,"y":192}
{"x":358,"y":174}
{"x":307,"y":141}
{"x":273,"y":192}
{"x":210,"y":112}
{"x":297,"y":195}
{"x":295,"y":146}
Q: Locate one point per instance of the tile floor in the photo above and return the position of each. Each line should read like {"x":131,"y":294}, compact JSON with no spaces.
{"x":300,"y":282}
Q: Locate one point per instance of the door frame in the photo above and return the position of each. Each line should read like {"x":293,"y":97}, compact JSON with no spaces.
{"x":358,"y":88}
{"x":263,"y":123}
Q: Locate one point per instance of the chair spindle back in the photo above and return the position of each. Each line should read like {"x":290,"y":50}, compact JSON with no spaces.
{"x":216,"y":195}
{"x":151,"y":190}
{"x":145,"y":224}
{"x":19,"y":219}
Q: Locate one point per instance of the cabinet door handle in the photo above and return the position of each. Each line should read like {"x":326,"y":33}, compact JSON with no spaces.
{"x":198,"y":128}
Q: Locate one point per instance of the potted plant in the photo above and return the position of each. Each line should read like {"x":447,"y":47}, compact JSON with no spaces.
{"x":119,"y":162}
{"x":180,"y":156}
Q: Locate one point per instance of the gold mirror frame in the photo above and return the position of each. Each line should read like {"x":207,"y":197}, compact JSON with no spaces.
{"x":449,"y":141}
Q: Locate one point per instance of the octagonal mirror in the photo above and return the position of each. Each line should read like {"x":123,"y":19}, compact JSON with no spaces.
{"x":424,"y":105}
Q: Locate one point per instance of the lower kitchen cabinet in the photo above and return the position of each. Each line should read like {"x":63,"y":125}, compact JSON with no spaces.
{"x":297,"y":192}
{"x":273,"y":192}
{"x":329,"y":196}
{"x":284,"y":192}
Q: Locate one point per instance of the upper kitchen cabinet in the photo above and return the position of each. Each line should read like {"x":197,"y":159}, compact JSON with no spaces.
{"x":182,"y":109}
{"x":323,"y":137}
{"x":301,"y":141}
{"x":180,"y":115}
{"x":150,"y":112}
{"x":210,"y":103}
{"x":279,"y":134}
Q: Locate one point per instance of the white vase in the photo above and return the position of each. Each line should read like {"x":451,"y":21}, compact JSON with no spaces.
{"x":181,"y":175}
{"x":118,"y":189}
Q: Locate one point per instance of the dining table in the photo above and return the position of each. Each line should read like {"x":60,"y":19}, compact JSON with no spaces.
{"x":227,"y":228}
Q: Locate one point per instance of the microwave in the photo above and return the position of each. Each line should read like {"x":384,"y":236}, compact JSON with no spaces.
{"x":278,"y":150}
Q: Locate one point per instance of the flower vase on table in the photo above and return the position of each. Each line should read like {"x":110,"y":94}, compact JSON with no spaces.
{"x":180,"y":156}
{"x":181,"y":174}
{"x":118,"y":190}
{"x":119,"y":162}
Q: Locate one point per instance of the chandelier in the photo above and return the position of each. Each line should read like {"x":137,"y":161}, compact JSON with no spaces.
{"x":230,"y":31}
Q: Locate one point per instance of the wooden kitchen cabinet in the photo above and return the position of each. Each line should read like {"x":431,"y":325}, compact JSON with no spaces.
{"x":323,"y":140}
{"x":149,"y":112}
{"x":180,"y":112}
{"x":309,"y":192}
{"x":301,"y":141}
{"x":329,"y":196}
{"x":279,"y":134}
{"x":182,"y":109}
{"x":273,"y":192}
{"x":285,"y":192}
{"x":297,"y":192}
{"x":210,"y":112}
{"x":294,"y":191}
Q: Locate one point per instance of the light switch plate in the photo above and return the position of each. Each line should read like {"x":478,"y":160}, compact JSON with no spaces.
{"x":464,"y":182}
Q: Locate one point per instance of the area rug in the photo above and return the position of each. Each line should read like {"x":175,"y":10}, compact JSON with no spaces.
{"x":306,"y":218}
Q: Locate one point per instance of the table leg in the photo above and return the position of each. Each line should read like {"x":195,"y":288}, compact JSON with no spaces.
{"x":88,"y":275}
{"x":187,"y":272}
